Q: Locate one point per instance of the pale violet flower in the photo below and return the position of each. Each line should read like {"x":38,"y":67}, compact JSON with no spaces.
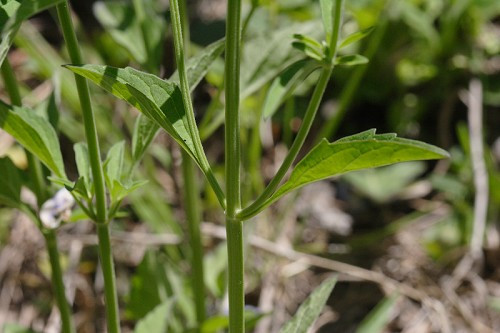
{"x":57,"y":209}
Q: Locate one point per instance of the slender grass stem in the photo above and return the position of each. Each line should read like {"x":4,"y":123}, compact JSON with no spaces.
{"x":88,"y":114}
{"x":262,"y":201}
{"x":108,"y":272}
{"x":57,"y":281}
{"x":107,"y":265}
{"x":36,"y":175}
{"x":234,"y":226}
{"x":184,"y":85}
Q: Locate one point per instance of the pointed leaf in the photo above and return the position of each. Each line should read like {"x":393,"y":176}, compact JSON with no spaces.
{"x":158,"y":99}
{"x":35,"y":134}
{"x":327,"y":15}
{"x":10,"y":183}
{"x":308,"y":50}
{"x":351,"y":60}
{"x":114,"y":163}
{"x":357,"y":36}
{"x":120,"y":191}
{"x":156,"y":321}
{"x":284,"y":85}
{"x":313,"y":43}
{"x":197,"y":67}
{"x":14,"y":12}
{"x":356,"y":152}
{"x":310,"y":310}
{"x":82,"y":162}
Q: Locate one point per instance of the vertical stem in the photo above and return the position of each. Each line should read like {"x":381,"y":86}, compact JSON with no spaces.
{"x":57,"y":281}
{"x":36,"y":175}
{"x":234,"y":226}
{"x":192,"y":204}
{"x":88,"y":114}
{"x":68,"y":31}
{"x":108,"y":271}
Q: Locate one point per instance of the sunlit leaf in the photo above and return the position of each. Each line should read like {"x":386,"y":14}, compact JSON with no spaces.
{"x":361,"y":151}
{"x":310,"y":310}
{"x":35,"y":134}
{"x":156,"y":320}
{"x":351,"y":60}
{"x":14,"y":12}
{"x":82,"y":162}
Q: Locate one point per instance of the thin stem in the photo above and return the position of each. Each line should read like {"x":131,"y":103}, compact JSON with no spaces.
{"x":262,"y":200}
{"x":57,"y":281}
{"x":192,"y":204}
{"x":107,"y":265}
{"x":236,"y":269}
{"x":186,"y":97}
{"x":88,"y":115}
{"x":312,"y":109}
{"x":108,"y":272}
{"x":234,"y":226}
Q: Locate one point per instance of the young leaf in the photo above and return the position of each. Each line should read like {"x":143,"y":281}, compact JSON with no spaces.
{"x":14,"y":12}
{"x":361,"y":151}
{"x":158,"y":99}
{"x":357,"y":36}
{"x":82,"y":162}
{"x":145,"y":131}
{"x":156,"y":321}
{"x":10,"y":183}
{"x":284,"y":85}
{"x":35,"y":134}
{"x":378,"y":318}
{"x":327,"y":15}
{"x":114,"y":163}
{"x":308,"y":50}
{"x":310,"y":310}
{"x":351,"y":60}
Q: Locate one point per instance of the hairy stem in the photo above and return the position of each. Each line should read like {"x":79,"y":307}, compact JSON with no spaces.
{"x":234,"y":228}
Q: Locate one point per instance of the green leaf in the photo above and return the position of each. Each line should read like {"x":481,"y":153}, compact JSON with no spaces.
{"x":355,"y":37}
{"x":82,"y":162}
{"x":308,"y":50}
{"x":114,"y":163}
{"x":14,"y":12}
{"x":284,"y":85}
{"x":361,"y":151}
{"x":120,"y":190}
{"x":120,"y":20}
{"x":156,"y":320}
{"x":351,"y":60}
{"x":197,"y":67}
{"x":35,"y":134}
{"x":327,"y":15}
{"x":158,"y":99}
{"x":310,"y":310}
{"x":377,"y":319}
{"x":10,"y":183}
{"x":15,"y":328}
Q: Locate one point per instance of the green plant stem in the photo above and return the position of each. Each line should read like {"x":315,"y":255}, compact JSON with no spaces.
{"x":57,"y":281}
{"x":234,"y":227}
{"x":186,"y":97}
{"x":192,"y":204}
{"x":312,"y":109}
{"x":88,"y":114}
{"x":108,"y":272}
{"x":107,"y":265}
{"x":261,"y":201}
{"x":36,"y":175}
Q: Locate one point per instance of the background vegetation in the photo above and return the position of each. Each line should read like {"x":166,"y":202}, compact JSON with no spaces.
{"x":400,"y":237}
